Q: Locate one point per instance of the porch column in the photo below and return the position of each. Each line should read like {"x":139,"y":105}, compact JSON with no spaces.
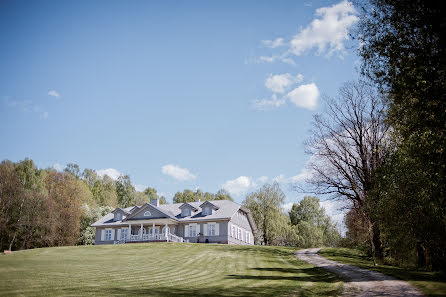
{"x":153,"y":230}
{"x":129,"y":232}
{"x":166,"y":230}
{"x":140,"y":232}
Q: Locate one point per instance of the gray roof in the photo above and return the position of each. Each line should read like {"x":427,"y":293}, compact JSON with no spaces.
{"x":226,"y":209}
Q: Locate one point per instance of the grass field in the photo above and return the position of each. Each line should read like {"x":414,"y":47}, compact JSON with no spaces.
{"x":432,"y":284}
{"x":163,"y":269}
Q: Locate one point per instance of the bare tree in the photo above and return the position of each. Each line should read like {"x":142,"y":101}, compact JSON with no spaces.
{"x":349,"y":142}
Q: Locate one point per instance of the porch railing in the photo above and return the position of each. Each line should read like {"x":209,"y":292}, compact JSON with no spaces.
{"x":152,"y":237}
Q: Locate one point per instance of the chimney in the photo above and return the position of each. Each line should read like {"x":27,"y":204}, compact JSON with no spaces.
{"x":197,"y":200}
{"x":155,"y":202}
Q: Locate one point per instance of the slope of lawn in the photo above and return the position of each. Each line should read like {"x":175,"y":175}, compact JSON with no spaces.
{"x":432,"y":284}
{"x":163,"y":269}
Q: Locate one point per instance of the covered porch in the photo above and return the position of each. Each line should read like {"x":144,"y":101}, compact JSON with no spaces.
{"x":162,"y":230}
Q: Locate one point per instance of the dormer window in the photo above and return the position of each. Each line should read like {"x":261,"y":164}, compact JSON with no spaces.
{"x":118,"y":216}
{"x":147,"y":214}
{"x":186,"y":209}
{"x":185,"y":212}
{"x":207,"y":211}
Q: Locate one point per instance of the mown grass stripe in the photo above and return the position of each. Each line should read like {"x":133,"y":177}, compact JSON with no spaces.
{"x":161,"y":269}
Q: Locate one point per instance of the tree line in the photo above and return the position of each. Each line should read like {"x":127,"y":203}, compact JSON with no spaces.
{"x":381,"y":142}
{"x":44,"y":207}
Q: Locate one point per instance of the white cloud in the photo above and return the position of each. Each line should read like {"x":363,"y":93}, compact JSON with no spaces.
{"x":273,"y":43}
{"x":58,"y":167}
{"x":239,"y":186}
{"x":140,"y":187}
{"x":178,"y":173}
{"x":328,"y":31}
{"x":263,"y":104}
{"x":305,"y":96}
{"x":53,"y":93}
{"x":279,"y":83}
{"x":111,"y":172}
{"x":282,"y":58}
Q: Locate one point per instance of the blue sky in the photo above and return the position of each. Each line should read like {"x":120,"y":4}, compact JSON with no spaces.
{"x":176,"y":94}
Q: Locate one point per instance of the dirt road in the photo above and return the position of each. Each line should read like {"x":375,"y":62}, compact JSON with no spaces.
{"x":359,"y":281}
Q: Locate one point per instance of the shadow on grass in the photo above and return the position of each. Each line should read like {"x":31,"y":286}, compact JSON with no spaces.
{"x":192,"y":291}
{"x":314,"y":274}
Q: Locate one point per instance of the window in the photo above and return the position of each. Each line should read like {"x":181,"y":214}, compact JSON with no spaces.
{"x":147,"y":214}
{"x":118,"y":216}
{"x":247,"y":236}
{"x":211,"y":229}
{"x":239,"y":234}
{"x":108,"y":234}
{"x":193,"y":230}
{"x":124,"y":233}
{"x":207,"y":211}
{"x":233,"y":231}
{"x":185,"y":212}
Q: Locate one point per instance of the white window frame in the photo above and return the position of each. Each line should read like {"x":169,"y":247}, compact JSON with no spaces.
{"x":193,"y":230}
{"x":118,"y":216}
{"x":246,"y":236}
{"x":108,"y":234}
{"x":233,"y":232}
{"x":212,"y":229}
{"x":147,"y":213}
{"x":124,"y":233}
{"x":239,"y":233}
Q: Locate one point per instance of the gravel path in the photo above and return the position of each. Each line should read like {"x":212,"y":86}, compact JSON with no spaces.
{"x":359,"y":281}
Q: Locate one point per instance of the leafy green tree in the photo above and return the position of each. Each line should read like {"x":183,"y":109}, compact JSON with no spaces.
{"x":313,"y":226}
{"x":89,"y":216}
{"x":266,"y":208}
{"x":191,"y":196}
{"x":73,"y":169}
{"x":125,"y":191}
{"x":404,"y":51}
{"x":222,"y":194}
{"x":163,"y":200}
{"x":151,"y":193}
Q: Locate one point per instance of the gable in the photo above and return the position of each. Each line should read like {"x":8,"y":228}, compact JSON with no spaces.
{"x":147,"y":212}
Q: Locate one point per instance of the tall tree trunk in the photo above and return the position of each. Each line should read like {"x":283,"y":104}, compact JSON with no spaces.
{"x":421,"y":255}
{"x":377,"y":242}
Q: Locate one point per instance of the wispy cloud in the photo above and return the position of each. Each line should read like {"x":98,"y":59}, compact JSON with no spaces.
{"x":111,"y":172}
{"x":273,"y":43}
{"x":178,"y":173}
{"x":53,"y":93}
{"x":264,"y":104}
{"x":25,"y":106}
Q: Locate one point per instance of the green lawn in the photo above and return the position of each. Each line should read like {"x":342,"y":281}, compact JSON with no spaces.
{"x":163,"y":269}
{"x":432,"y":284}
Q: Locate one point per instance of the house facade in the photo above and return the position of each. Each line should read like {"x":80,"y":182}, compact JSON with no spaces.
{"x":219,"y":221}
